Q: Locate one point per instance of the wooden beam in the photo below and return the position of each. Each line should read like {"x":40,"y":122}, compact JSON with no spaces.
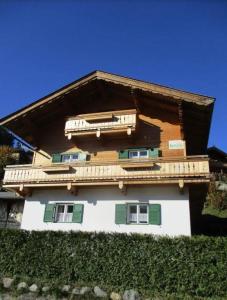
{"x":181,"y":186}
{"x":72,"y":189}
{"x":24,"y":191}
{"x":135,"y":100}
{"x":98,"y":133}
{"x":122,"y":187}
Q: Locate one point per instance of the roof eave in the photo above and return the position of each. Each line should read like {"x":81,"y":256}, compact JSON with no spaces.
{"x":115,"y":79}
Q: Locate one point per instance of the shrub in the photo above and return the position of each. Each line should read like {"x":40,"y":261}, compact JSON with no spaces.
{"x":195,"y":266}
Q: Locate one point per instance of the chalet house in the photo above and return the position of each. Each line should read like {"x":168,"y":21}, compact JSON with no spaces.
{"x":113,"y":154}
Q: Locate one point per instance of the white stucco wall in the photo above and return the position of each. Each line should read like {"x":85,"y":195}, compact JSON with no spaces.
{"x":99,"y":209}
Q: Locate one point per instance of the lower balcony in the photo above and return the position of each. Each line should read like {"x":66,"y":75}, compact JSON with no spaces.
{"x":192,"y":169}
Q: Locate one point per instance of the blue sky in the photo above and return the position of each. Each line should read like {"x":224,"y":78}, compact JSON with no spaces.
{"x":46,"y":44}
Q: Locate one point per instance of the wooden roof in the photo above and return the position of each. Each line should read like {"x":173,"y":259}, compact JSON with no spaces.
{"x":117,"y":79}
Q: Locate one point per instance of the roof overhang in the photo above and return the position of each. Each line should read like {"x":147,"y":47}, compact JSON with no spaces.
{"x":121,"y":80}
{"x":201,"y":106}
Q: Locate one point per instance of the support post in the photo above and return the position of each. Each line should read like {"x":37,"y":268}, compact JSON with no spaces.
{"x":122,"y":187}
{"x":98,"y":133}
{"x":24,"y":191}
{"x":72,"y":189}
{"x":181,"y":186}
{"x":129,"y":130}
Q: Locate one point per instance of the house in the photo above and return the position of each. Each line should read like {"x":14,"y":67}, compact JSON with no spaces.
{"x":218,"y":160}
{"x":113,"y":154}
{"x":218,"y":167}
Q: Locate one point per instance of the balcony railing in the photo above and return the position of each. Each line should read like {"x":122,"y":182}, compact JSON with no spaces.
{"x":98,"y":123}
{"x":189,"y":169}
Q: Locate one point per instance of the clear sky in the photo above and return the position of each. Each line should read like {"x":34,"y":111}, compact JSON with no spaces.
{"x":45,"y":44}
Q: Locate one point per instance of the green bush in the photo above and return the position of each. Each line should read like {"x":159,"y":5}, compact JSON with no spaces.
{"x":194,"y":266}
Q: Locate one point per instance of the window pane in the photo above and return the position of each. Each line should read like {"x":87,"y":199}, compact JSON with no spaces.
{"x":68,"y":217}
{"x":132,"y":218}
{"x":60,"y":208}
{"x":66,"y":158}
{"x":133,"y":209}
{"x":69,"y":208}
{"x":143,"y":153}
{"x":133,"y":154}
{"x":143,"y":209}
{"x":74,"y":157}
{"x":143,"y":214}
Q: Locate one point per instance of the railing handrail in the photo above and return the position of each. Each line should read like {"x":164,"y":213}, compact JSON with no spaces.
{"x":114,"y":162}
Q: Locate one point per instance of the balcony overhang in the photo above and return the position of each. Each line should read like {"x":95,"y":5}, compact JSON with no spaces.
{"x":184,"y":170}
{"x":123,"y":121}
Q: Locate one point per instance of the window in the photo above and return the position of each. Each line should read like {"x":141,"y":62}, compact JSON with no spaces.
{"x":137,"y":214}
{"x":64,"y":213}
{"x":138,"y":154}
{"x":70,"y":157}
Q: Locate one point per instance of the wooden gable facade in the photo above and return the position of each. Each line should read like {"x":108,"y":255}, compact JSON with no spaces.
{"x":99,"y":107}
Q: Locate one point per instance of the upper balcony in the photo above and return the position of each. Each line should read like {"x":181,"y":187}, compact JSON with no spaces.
{"x":193,"y":169}
{"x":123,"y":121}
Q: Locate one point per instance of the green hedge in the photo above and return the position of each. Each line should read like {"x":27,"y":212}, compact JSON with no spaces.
{"x":194,"y":266}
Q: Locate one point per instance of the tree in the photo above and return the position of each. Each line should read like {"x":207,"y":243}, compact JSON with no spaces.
{"x":7,"y":157}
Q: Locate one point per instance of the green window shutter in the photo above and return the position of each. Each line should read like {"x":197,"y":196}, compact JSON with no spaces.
{"x":153,"y":152}
{"x":123,"y":154}
{"x":56,"y":157}
{"x":120,"y":213}
{"x":49,"y":213}
{"x":82,"y":156}
{"x":155,"y":214}
{"x":78,"y":210}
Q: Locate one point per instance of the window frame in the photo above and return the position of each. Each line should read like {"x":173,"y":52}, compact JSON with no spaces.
{"x":137,"y":205}
{"x":66,"y":205}
{"x":138,"y":154}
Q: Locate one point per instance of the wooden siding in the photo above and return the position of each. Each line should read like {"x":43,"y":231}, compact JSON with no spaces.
{"x":155,"y":129}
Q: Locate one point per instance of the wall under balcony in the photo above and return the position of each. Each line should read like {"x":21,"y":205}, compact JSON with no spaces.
{"x":99,"y":209}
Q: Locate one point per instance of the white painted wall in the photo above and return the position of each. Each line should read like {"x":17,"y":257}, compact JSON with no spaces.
{"x":99,"y":209}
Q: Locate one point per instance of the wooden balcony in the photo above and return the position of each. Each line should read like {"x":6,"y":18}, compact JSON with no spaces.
{"x":101,"y":123}
{"x":194,"y":169}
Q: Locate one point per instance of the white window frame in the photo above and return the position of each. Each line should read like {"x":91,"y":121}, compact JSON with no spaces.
{"x":138,"y":222}
{"x":71,"y":159}
{"x":138,"y":152}
{"x":65,"y":216}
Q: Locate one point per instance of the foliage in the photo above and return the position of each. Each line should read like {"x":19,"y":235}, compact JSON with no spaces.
{"x":7,"y":157}
{"x":216,"y":198}
{"x":208,"y":210}
{"x":195,"y":266}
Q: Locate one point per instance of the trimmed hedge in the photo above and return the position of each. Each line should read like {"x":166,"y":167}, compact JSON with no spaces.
{"x":194,"y":266}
